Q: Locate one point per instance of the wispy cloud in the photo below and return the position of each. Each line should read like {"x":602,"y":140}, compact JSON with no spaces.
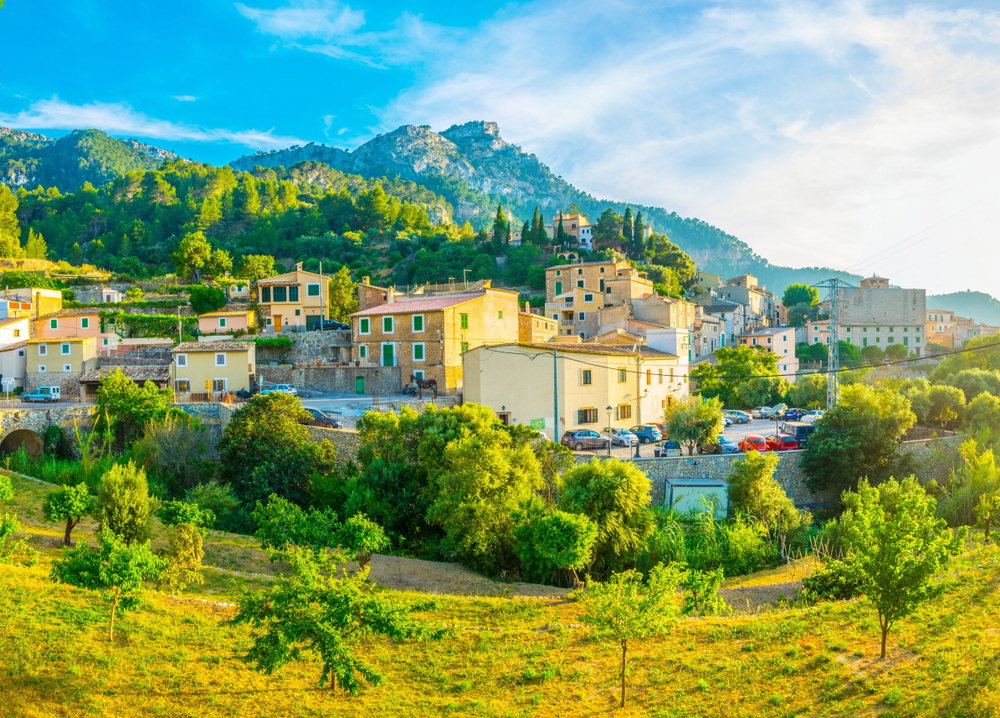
{"x":818,"y":133}
{"x":120,"y":119}
{"x":185,"y":98}
{"x":334,"y":29}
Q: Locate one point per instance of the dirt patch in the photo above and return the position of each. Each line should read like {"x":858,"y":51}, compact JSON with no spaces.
{"x":871,"y":666}
{"x":412,"y":574}
{"x":751,"y":599}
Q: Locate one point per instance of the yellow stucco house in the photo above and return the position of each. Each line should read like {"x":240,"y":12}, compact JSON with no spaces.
{"x":212,"y":367}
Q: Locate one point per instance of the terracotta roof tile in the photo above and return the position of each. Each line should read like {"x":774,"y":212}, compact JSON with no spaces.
{"x":414,"y":306}
{"x":220,"y":346}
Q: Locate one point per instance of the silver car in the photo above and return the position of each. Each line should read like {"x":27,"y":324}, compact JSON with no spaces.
{"x":623,"y":437}
{"x":281,"y":389}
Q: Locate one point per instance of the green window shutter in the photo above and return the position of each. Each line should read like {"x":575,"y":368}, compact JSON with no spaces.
{"x":387,"y":325}
{"x":293,"y":294}
{"x":580,"y":417}
{"x":364,"y":325}
{"x":558,"y":288}
{"x":464,"y":320}
{"x":265,"y":294}
{"x":418,"y":323}
{"x":418,"y":352}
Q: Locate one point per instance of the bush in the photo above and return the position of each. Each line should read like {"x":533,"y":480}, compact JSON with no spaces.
{"x":177,"y":451}
{"x":175,"y":513}
{"x":124,"y":505}
{"x":553,"y":543}
{"x":834,"y":582}
{"x":362,"y":537}
{"x":217,"y":498}
{"x":281,"y":523}
{"x":206,"y":298}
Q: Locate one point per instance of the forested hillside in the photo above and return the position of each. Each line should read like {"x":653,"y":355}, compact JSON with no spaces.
{"x":29,"y":160}
{"x":973,"y":305}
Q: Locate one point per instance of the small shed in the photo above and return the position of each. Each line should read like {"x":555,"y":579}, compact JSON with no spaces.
{"x":684,"y":495}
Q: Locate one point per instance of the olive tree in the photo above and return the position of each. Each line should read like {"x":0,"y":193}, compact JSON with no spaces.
{"x":896,"y":547}
{"x":625,"y":609}
{"x":694,"y":421}
{"x":116,"y":569}
{"x":69,"y":504}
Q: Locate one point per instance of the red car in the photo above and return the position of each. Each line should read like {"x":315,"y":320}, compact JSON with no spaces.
{"x":753,"y":442}
{"x":781,"y":443}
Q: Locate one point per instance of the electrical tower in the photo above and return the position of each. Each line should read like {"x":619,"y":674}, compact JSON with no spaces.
{"x":834,"y":300}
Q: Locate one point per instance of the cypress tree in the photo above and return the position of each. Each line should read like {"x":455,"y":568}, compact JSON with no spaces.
{"x":637,"y":234}
{"x":534,"y":223}
{"x":627,"y":228}
{"x":525,"y":232}
{"x":541,"y":238}
{"x":501,"y":230}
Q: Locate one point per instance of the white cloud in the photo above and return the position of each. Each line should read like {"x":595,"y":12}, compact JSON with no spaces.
{"x":818,"y":134}
{"x":185,"y":98}
{"x":322,"y":19}
{"x":120,"y":119}
{"x":331,"y":28}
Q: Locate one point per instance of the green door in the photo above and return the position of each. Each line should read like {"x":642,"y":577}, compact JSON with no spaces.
{"x":387,"y":355}
{"x":359,"y":385}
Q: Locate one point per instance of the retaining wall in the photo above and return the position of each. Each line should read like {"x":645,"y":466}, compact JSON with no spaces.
{"x":378,"y":380}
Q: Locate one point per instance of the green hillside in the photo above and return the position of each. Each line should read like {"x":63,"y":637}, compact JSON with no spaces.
{"x":177,"y":657}
{"x":30,"y":160}
{"x":974,"y":305}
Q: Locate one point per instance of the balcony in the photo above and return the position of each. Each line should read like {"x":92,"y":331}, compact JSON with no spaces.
{"x":566,"y":322}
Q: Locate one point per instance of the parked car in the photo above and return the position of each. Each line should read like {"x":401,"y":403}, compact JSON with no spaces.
{"x":754,"y":442}
{"x":760,"y":412}
{"x":780,"y":442}
{"x":43,"y":393}
{"x":726,"y":421}
{"x":328,"y":324}
{"x":623,"y":437}
{"x":811,"y":417}
{"x":321,"y":418}
{"x":798,"y":430}
{"x":723,"y":445}
{"x":584,"y":439}
{"x":667,"y":449}
{"x":778,"y":411}
{"x":738,"y":417}
{"x":794,"y":414}
{"x":281,"y":389}
{"x":647,"y":433}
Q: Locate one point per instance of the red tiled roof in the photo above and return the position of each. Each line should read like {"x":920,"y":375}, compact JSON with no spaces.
{"x":414,"y":306}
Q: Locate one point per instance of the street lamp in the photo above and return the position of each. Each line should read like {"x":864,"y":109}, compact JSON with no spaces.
{"x":609,"y":429}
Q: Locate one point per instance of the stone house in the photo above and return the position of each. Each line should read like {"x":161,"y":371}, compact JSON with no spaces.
{"x":427,"y":336}
{"x":536,"y":328}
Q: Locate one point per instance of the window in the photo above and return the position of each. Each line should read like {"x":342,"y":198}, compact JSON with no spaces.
{"x":588,"y":377}
{"x":602,"y":283}
{"x":558,"y":287}
{"x":41,"y":367}
{"x":649,"y":377}
{"x":418,"y":323}
{"x":784,"y":337}
{"x":293,"y":293}
{"x":580,"y":283}
{"x":418,"y":351}
{"x":64,"y":348}
{"x":419,"y":373}
{"x":555,"y":316}
{"x":181,"y":360}
{"x":265,"y":294}
{"x":364,"y":325}
{"x":17,"y":333}
{"x":387,"y":325}
{"x":579,"y":269}
{"x":269,"y":321}
{"x":281,"y":294}
{"x":465,"y":347}
{"x":588,"y":297}
{"x":624,"y":411}
{"x":769,"y":340}
{"x":43,"y":349}
{"x":20,"y":353}
{"x":312,"y":290}
{"x":182,"y":385}
{"x":622,"y":375}
{"x":84,"y":323}
{"x":608,"y":290}
{"x":298,"y":312}
{"x":464,"y":320}
{"x":558,"y":272}
{"x":220,"y":385}
{"x":602,"y":270}
{"x":220,"y":359}
{"x":222,"y":322}
{"x":105,"y":341}
{"x":53,"y":324}
{"x":586,"y":416}
{"x":67,"y":367}
{"x":661,"y":376}
{"x":581,"y":316}
{"x":671,"y":375}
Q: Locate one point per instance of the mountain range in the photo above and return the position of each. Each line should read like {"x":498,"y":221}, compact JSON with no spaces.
{"x":469,"y":165}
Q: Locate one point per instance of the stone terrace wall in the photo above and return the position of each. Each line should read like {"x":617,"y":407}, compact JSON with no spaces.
{"x":278,"y":374}
{"x":346,"y":441}
{"x":378,"y":380}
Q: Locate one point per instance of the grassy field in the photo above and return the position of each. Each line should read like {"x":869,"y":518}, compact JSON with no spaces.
{"x":512,"y":656}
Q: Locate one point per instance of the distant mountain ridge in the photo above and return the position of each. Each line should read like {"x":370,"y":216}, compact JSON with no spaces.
{"x":971,"y":305}
{"x":473,"y":167}
{"x":28,"y":159}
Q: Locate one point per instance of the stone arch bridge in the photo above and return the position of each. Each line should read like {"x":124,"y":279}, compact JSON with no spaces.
{"x":25,"y":426}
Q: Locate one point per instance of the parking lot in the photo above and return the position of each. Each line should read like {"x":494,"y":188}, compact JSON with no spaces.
{"x":736,"y":432}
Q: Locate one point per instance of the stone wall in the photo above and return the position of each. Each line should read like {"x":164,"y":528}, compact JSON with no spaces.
{"x":378,"y":380}
{"x":69,"y":382}
{"x":310,"y":347}
{"x":210,"y":415}
{"x":346,"y":441}
{"x":278,"y":374}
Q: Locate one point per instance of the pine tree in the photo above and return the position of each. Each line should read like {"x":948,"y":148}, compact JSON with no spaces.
{"x":501,"y":230}
{"x":35,"y":247}
{"x":10,"y":233}
{"x":627,"y":228}
{"x":561,"y":233}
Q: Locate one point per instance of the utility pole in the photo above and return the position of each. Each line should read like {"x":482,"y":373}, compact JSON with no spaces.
{"x":322,"y":315}
{"x":833,"y":376}
{"x":555,"y":395}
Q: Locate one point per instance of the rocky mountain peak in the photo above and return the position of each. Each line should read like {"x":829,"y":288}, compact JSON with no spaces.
{"x":477,"y":133}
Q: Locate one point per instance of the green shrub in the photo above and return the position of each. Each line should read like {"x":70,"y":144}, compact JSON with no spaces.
{"x":124,"y":505}
{"x":836,"y":581}
{"x":555,"y":542}
{"x":281,"y":523}
{"x":362,"y":537}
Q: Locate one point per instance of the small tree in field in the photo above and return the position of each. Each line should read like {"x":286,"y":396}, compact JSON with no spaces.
{"x":362,"y":537}
{"x":895,"y":547}
{"x":116,"y":569}
{"x":626,"y":609}
{"x":123,"y":502}
{"x":313,"y":611}
{"x":69,"y":504}
{"x":694,"y":421}
{"x":556,"y":542}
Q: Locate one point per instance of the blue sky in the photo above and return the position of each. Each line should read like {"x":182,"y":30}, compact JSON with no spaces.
{"x":862,"y":135}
